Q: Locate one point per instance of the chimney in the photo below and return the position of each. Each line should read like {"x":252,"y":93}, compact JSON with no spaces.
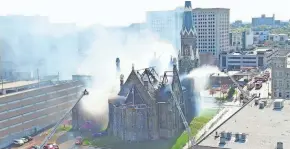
{"x":118,"y":64}
{"x":121,"y":80}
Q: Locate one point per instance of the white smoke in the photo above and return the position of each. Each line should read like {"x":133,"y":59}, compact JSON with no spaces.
{"x":132,"y":48}
{"x":201,"y":76}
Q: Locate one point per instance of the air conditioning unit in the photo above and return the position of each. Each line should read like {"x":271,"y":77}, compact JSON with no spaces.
{"x":279,"y":145}
{"x":237,"y":136}
{"x":243,"y":137}
{"x":229,"y":135}
{"x":223,"y":134}
{"x":222,"y":140}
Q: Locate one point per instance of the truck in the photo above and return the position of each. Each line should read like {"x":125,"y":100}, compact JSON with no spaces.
{"x":250,"y":86}
{"x":260,"y":78}
{"x":266,"y":75}
{"x":258,"y":85}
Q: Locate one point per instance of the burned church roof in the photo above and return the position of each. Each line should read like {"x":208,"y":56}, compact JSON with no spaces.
{"x":145,"y":84}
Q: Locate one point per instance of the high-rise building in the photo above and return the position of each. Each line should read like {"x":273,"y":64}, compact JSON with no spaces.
{"x":188,"y":56}
{"x":166,"y":24}
{"x":212,"y":27}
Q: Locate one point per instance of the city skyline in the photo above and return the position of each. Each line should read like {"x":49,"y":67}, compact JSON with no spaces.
{"x":88,"y":12}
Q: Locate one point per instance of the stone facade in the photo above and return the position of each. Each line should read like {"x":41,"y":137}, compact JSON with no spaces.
{"x":280,"y":74}
{"x":144,"y":108}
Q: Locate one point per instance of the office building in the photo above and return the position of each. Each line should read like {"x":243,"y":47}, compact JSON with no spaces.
{"x":212,"y":27}
{"x":241,"y":40}
{"x":166,"y":24}
{"x":281,"y":75}
{"x":260,"y":36}
{"x":263,"y":20}
{"x":235,"y":60}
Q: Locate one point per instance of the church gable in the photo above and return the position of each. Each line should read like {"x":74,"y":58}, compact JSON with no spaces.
{"x":134,"y":97}
{"x":131,"y":80}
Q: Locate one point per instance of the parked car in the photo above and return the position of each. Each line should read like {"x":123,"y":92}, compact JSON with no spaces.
{"x":18,"y":142}
{"x":24,"y":140}
{"x":29,"y":138}
{"x":51,"y":146}
{"x":79,"y":141}
{"x":34,"y":147}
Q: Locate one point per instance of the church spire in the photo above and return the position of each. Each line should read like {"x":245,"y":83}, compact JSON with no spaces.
{"x":188,"y":55}
{"x":187,"y":26}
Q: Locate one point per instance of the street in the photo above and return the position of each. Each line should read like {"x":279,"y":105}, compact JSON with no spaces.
{"x":36,"y":141}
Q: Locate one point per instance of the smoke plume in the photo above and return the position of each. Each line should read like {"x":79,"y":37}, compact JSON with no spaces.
{"x":201,"y":77}
{"x":141,"y":49}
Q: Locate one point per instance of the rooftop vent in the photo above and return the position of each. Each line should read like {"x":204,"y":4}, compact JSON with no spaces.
{"x":243,"y":137}
{"x":222,"y":140}
{"x":237,"y":136}
{"x":223,"y":134}
{"x":279,"y":145}
{"x":261,"y":105}
{"x":229,"y":135}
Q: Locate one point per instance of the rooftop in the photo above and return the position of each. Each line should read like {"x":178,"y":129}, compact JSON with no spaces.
{"x":264,"y":128}
{"x":254,"y":52}
{"x":17,"y":84}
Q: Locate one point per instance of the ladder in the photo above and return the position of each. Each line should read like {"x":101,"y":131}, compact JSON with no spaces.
{"x":191,"y":139}
{"x":246,"y":94}
{"x":48,"y":137}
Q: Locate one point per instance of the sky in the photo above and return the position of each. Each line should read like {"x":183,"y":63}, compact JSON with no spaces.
{"x":125,"y":12}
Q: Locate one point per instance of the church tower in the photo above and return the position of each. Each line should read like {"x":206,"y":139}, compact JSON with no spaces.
{"x":188,"y":57}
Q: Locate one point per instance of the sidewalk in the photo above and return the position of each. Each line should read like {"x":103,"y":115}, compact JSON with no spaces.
{"x":209,"y":125}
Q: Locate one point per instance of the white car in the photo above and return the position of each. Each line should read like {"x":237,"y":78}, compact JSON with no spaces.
{"x":24,"y":140}
{"x":18,"y":142}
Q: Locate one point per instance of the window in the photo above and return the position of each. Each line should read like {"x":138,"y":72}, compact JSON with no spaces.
{"x":280,"y":94}
{"x":275,"y":83}
{"x":280,"y":83}
{"x":280,"y":74}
